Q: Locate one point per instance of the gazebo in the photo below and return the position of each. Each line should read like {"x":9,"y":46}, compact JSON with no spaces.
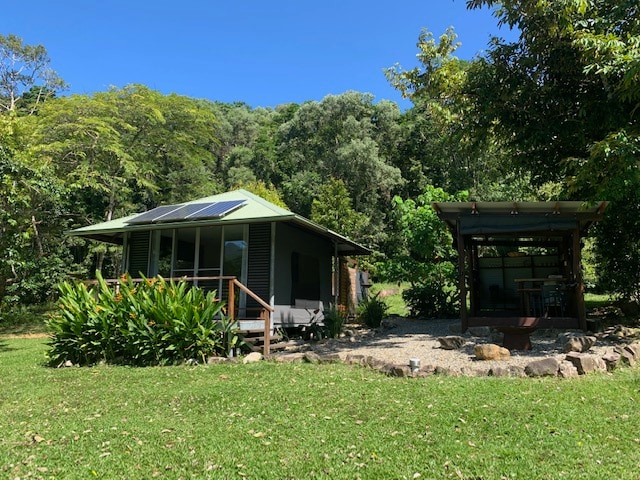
{"x":519,"y":264}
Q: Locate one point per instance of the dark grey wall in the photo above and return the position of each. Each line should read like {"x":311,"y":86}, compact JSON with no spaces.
{"x":290,"y":239}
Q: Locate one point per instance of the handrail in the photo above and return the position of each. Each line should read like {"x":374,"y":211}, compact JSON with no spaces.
{"x":245,"y":289}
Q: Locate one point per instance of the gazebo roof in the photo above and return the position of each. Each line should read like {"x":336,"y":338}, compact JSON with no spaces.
{"x":506,"y":218}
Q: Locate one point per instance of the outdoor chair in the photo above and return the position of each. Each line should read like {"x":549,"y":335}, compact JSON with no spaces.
{"x":553,"y":300}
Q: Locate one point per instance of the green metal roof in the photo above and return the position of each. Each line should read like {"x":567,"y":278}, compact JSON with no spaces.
{"x":256,"y":209}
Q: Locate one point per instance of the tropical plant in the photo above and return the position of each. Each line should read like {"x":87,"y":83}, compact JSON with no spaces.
{"x":372,"y":310}
{"x":153,"y":322}
{"x":333,"y":320}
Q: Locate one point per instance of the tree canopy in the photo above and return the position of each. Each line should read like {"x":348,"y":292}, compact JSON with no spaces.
{"x":550,"y":115}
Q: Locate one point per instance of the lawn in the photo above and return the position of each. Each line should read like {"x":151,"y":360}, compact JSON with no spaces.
{"x":300,"y":421}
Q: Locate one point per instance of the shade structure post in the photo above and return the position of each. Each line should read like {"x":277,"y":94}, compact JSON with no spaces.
{"x":581,"y":312}
{"x":462,"y":283}
{"x":336,"y":275}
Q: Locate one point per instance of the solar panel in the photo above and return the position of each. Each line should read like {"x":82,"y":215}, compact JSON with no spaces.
{"x":148,"y":217}
{"x":182,"y":213}
{"x":218,"y":209}
{"x":189,"y":211}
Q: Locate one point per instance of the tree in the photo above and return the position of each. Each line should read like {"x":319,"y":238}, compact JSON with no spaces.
{"x":438,"y":143}
{"x":564,"y":99}
{"x":426,"y":257}
{"x":345,"y":137}
{"x":126,"y":150}
{"x":332,"y":209}
{"x":31,"y":223}
{"x":25,"y":72}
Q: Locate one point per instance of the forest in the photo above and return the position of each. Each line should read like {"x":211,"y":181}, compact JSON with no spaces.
{"x":552,"y":115}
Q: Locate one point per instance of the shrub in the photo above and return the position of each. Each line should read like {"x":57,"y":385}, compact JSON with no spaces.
{"x":333,"y":321}
{"x":432,"y":300}
{"x":372,"y":310}
{"x":153,"y":322}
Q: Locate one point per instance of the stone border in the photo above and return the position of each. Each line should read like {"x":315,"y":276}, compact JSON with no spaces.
{"x":573,"y":365}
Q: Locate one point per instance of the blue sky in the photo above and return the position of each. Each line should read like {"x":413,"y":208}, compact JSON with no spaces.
{"x":264,"y":53}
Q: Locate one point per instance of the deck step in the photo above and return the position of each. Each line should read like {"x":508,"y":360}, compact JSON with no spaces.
{"x":274,"y":338}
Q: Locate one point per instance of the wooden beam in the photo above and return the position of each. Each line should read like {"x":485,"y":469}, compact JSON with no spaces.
{"x":577,"y":271}
{"x":462,"y":283}
{"x":537,"y":322}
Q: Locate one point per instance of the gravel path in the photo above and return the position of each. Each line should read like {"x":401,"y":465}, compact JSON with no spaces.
{"x":400,"y":339}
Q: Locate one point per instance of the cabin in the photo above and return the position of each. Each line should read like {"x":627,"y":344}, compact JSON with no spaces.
{"x":519,"y":264}
{"x":262,"y":259}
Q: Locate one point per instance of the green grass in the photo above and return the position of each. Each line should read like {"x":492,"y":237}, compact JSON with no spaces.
{"x":595,"y":300}
{"x":25,"y":320}
{"x":298,"y":421}
{"x":392,"y":295}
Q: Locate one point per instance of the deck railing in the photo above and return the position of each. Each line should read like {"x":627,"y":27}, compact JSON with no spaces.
{"x":233,"y":311}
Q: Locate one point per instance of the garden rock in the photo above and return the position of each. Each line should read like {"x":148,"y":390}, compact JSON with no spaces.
{"x":330,"y":358}
{"x":491,"y":351}
{"x":451,"y":342}
{"x":612,"y":360}
{"x":567,"y":370}
{"x":401,"y":371}
{"x":446,"y":371}
{"x":352,"y":359}
{"x":373,"y":362}
{"x":474,"y":372}
{"x":626,"y":356}
{"x":508,"y":371}
{"x":311,"y":357}
{"x":294,"y":357}
{"x":564,"y":337}
{"x":634,"y":349}
{"x":387,"y":369}
{"x":253,"y":357}
{"x":545,"y":367}
{"x":586,"y":363}
{"x":581,"y":343}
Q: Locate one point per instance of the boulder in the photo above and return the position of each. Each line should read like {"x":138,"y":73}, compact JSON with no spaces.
{"x":373,"y":362}
{"x":451,"y":342}
{"x":545,"y":367}
{"x":567,"y":370}
{"x":564,"y":337}
{"x":216,"y":360}
{"x":626,"y":357}
{"x":474,"y":372}
{"x":581,"y":343}
{"x":353,"y":359}
{"x":491,"y":351}
{"x":586,"y":363}
{"x":387,"y":369}
{"x":611,"y":360}
{"x":446,"y":371}
{"x":253,"y":357}
{"x":634,"y":349}
{"x":311,"y":357}
{"x":508,"y":371}
{"x":400,"y":371}
{"x":293,"y":357}
{"x":330,"y":358}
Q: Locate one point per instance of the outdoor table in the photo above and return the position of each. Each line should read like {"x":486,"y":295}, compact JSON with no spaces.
{"x":530,"y":291}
